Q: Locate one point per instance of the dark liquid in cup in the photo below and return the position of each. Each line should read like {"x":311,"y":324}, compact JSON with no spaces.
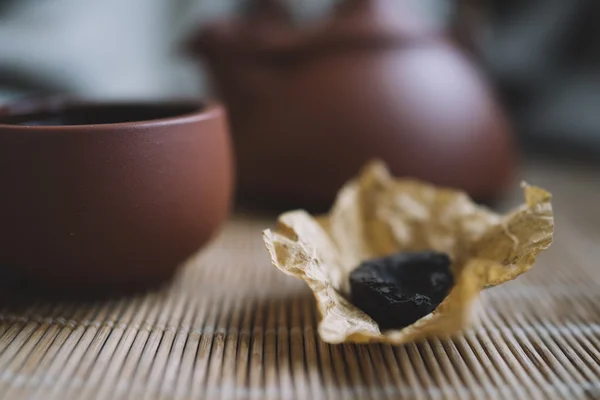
{"x":94,"y":115}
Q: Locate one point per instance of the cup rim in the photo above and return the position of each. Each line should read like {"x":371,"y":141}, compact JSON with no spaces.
{"x":205,"y":110}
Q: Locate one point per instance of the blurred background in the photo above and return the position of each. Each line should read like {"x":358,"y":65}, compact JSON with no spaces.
{"x":540,"y":60}
{"x":119,"y":49}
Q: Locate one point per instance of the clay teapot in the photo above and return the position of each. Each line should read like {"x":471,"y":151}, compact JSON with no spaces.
{"x":310,"y":104}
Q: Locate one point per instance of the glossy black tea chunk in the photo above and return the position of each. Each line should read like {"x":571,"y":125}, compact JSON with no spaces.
{"x":397,"y":290}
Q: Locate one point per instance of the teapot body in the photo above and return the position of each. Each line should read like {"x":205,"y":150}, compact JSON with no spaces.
{"x":309,"y":111}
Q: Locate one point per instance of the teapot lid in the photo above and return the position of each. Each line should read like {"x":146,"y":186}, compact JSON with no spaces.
{"x":268,"y":31}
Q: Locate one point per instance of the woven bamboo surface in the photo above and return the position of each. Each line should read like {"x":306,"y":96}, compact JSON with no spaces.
{"x":232,"y":326}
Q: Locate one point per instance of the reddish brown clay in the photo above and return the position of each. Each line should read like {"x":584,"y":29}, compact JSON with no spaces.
{"x":109,"y":196}
{"x":310,"y":105}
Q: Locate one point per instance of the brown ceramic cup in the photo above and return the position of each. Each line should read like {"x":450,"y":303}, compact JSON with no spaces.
{"x":109,"y":196}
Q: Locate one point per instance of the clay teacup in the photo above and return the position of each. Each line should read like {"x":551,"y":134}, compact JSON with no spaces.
{"x":109,"y":196}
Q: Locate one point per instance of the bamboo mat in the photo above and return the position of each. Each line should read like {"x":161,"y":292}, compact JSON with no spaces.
{"x":232,"y":326}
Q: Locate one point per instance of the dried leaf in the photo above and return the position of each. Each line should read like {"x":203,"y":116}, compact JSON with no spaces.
{"x":376,"y":215}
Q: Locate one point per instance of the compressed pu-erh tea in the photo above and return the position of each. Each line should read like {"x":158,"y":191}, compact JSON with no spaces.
{"x":400,"y":289}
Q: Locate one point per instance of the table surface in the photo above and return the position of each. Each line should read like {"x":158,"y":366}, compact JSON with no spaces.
{"x":231,"y":326}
